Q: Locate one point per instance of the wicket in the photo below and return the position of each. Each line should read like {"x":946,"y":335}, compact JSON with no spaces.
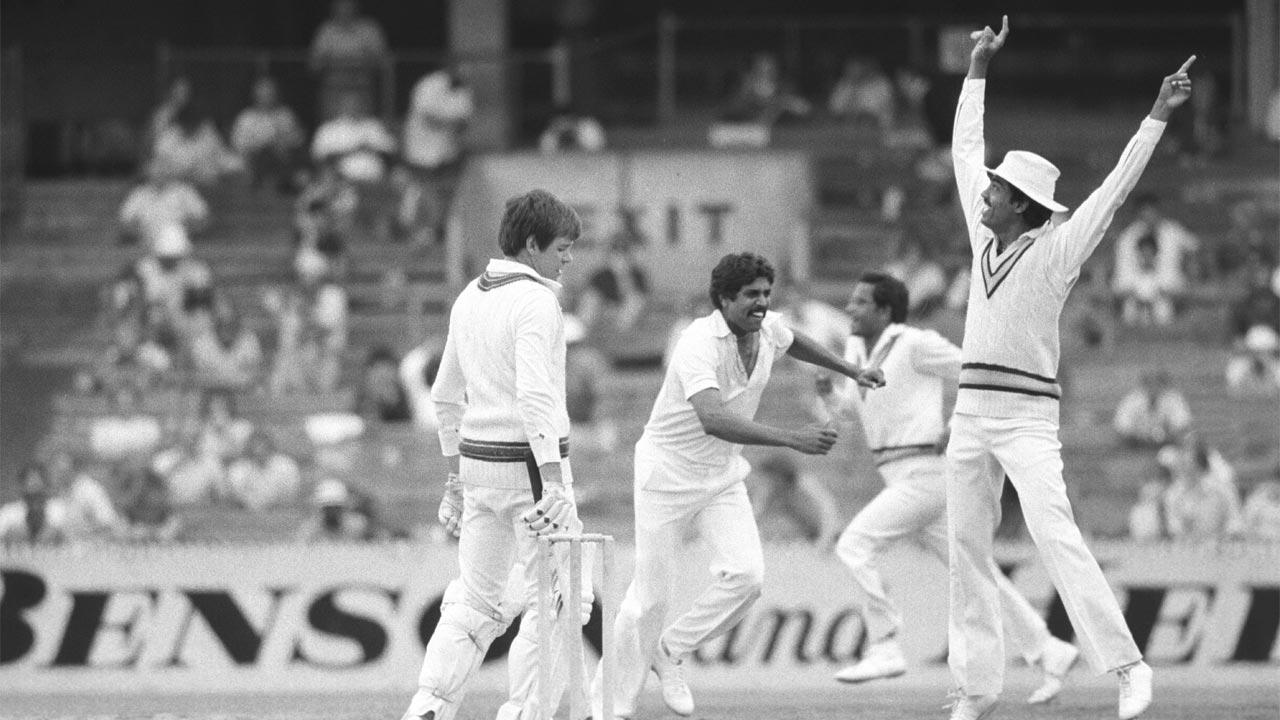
{"x":551,"y":603}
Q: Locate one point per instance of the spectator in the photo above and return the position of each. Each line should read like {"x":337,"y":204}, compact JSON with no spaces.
{"x":381,"y":397}
{"x":89,"y":511}
{"x":347,"y":52}
{"x":418,"y":370}
{"x":325,"y":214}
{"x":195,"y":150}
{"x":227,"y":354}
{"x":764,"y":97}
{"x":37,"y":518}
{"x":1091,"y":314}
{"x":1254,"y":367}
{"x":263,"y":477}
{"x":618,"y":288}
{"x":174,"y":285}
{"x":1147,"y":521}
{"x":162,"y":200}
{"x":1154,"y":413}
{"x":163,"y":117}
{"x":1175,"y":253}
{"x":191,"y":469}
{"x":1261,"y":517}
{"x":312,"y":317}
{"x":1145,"y":297}
{"x":268,"y":138}
{"x":344,"y":515}
{"x":572,"y":130}
{"x":863,"y":94}
{"x":355,"y":141}
{"x":793,"y":506}
{"x":136,"y":358}
{"x":126,"y":431}
{"x":146,"y":504}
{"x":1246,"y":238}
{"x":924,"y":277}
{"x":223,"y":433}
{"x":1259,"y":301}
{"x":586,"y":374}
{"x":1200,"y":506}
{"x":439,"y":111}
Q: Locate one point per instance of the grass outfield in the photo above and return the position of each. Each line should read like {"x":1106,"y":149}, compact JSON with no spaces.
{"x":1182,"y":693}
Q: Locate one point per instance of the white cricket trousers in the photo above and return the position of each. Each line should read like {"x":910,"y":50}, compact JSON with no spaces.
{"x":913,"y":506}
{"x":726,"y":523}
{"x":1028,"y":450}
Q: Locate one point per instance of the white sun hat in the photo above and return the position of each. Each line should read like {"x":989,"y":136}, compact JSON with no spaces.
{"x":1032,"y":174}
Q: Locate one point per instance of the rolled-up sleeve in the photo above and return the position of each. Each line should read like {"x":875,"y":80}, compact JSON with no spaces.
{"x":538,"y":346}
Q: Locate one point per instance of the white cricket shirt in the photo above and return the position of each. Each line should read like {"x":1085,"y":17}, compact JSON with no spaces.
{"x":1010,"y":351}
{"x":706,"y":356}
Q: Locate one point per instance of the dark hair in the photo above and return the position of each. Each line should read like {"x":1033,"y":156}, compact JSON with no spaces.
{"x":734,"y":271}
{"x":539,"y":214}
{"x":888,"y":291}
{"x":381,"y":353}
{"x":1036,"y":214}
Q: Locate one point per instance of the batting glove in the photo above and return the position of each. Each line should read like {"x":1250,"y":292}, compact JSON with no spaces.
{"x":450,"y":514}
{"x":554,"y":513}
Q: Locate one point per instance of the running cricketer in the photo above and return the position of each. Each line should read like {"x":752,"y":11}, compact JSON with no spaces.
{"x":689,"y":472}
{"x":905,"y":431}
{"x":500,"y":397}
{"x":1006,"y":413}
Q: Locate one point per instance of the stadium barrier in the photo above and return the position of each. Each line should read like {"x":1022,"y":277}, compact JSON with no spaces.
{"x":356,"y":617}
{"x":687,"y":208}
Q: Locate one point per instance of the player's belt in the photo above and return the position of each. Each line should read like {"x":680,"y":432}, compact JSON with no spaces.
{"x":498,"y":451}
{"x":894,"y":453}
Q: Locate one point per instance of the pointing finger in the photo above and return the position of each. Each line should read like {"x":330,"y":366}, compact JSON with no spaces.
{"x":1186,"y":65}
{"x":1004,"y":28}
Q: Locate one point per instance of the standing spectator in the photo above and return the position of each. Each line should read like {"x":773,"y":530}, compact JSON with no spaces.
{"x":790,"y":505}
{"x":440,"y":108}
{"x":263,"y":477}
{"x":1254,"y":366}
{"x":418,"y":370}
{"x":312,"y":335}
{"x":381,"y":397}
{"x":764,"y":97}
{"x":268,"y":138}
{"x":163,"y":117}
{"x":570,"y":129}
{"x":194,"y":148}
{"x":347,"y":52}
{"x":1154,"y":413}
{"x":37,"y":518}
{"x":1261,"y":517}
{"x":162,"y":200}
{"x":862,"y":94}
{"x":146,"y":504}
{"x":227,"y":354}
{"x":1172,"y":253}
{"x":90,"y":513}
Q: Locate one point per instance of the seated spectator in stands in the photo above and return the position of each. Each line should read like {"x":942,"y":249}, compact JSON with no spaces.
{"x":173,"y":284}
{"x":355,"y":141}
{"x":617,"y":291}
{"x":135,"y":358}
{"x":263,"y":477}
{"x":347,"y":52}
{"x":1145,"y":298}
{"x":195,"y":150}
{"x":1254,"y":366}
{"x":586,"y":374}
{"x":418,"y":370}
{"x":571,"y":130}
{"x":325,"y":214}
{"x":439,"y":110}
{"x":38,"y":517}
{"x":912,"y":125}
{"x":1153,"y":414}
{"x":162,"y":200}
{"x":126,"y":431}
{"x":764,"y":97}
{"x":1171,"y":251}
{"x":863,"y":94}
{"x":91,"y":514}
{"x":1246,"y":239}
{"x":226,"y":355}
{"x":1259,"y":300}
{"x":312,"y":336}
{"x":269,"y":139}
{"x":792,"y":506}
{"x":164,"y":116}
{"x":1199,"y":504}
{"x":1147,"y":521}
{"x":380,"y":396}
{"x":146,"y":505}
{"x":223,"y":433}
{"x":1261,"y":517}
{"x":1090,"y":310}
{"x":924,"y":277}
{"x":192,"y":469}
{"x":345,"y":514}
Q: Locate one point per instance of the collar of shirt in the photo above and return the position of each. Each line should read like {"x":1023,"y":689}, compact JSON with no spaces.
{"x":502,"y":265}
{"x":888,"y":335}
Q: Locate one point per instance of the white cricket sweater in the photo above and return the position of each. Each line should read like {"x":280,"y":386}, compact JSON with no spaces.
{"x":1009,"y":358}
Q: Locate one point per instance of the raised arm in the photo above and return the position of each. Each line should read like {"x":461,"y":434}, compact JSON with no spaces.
{"x":1083,"y":232}
{"x":968,"y":148}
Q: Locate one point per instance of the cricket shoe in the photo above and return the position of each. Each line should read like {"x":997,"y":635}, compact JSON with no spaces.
{"x":972,"y":707}
{"x":1056,"y":659}
{"x":623,"y":709}
{"x":675,"y":690}
{"x":882,"y":660}
{"x":1135,"y":689}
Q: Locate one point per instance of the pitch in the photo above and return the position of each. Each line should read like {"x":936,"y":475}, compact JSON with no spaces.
{"x":1182,"y":693}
